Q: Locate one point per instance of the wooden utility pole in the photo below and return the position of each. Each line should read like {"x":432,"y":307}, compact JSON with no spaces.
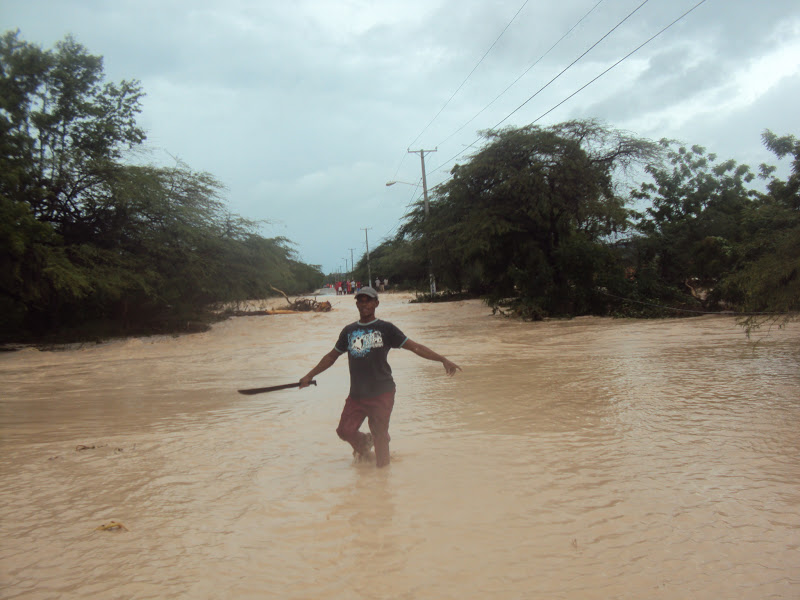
{"x":366,"y":238}
{"x":425,"y":197}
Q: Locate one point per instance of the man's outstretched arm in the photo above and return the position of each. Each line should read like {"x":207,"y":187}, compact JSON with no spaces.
{"x":325,"y":363}
{"x":426,"y":352}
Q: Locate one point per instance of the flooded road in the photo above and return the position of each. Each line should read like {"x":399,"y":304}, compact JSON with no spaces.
{"x":590,"y":458}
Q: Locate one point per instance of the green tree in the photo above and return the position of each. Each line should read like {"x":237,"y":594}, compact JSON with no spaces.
{"x":529,"y":216}
{"x":60,"y":133}
{"x":64,"y":130}
{"x":396,"y":259}
{"x":86,"y":238}
{"x":767,"y":276}
{"x":693,"y":225}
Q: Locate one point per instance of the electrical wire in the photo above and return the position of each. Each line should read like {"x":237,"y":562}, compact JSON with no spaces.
{"x":470,"y":73}
{"x":472,"y":145}
{"x":580,"y":89}
{"x":439,"y":167}
{"x":564,"y":70}
{"x":570,"y":65}
{"x":414,"y":198}
{"x":463,"y":82}
{"x":525,"y":72}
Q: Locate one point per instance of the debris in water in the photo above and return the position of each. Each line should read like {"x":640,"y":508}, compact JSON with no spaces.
{"x":112,"y":525}
{"x":298,"y":306}
{"x":303,"y":304}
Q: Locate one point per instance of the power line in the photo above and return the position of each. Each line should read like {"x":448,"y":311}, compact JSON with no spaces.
{"x":525,"y":72}
{"x":463,"y":82}
{"x":618,"y":62}
{"x":461,"y":153}
{"x":396,"y":226}
{"x":470,"y":73}
{"x":565,"y":69}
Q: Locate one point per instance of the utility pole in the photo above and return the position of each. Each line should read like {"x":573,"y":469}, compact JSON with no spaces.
{"x":366,"y":238}
{"x":425,"y":196}
{"x":352,"y":267}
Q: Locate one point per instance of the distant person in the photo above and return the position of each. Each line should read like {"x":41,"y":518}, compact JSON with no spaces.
{"x":367,"y":343}
{"x":385,"y":285}
{"x":377,"y":283}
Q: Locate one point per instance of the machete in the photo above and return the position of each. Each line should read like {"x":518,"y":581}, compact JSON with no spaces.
{"x":272,"y":388}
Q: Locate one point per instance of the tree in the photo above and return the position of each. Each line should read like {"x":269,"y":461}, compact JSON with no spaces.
{"x":396,"y":259}
{"x":60,"y":135}
{"x":706,"y":228}
{"x":86,"y":238}
{"x":693,"y":224}
{"x":64,"y":131}
{"x":528,"y":215}
{"x":766,"y":279}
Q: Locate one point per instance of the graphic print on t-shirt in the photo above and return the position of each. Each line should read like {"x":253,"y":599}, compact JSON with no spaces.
{"x":362,"y":341}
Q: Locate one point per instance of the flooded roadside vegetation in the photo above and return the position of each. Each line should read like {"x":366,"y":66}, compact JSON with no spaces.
{"x":590,"y":458}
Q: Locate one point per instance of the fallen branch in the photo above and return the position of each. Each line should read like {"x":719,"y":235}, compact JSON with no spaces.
{"x":289,"y":302}
{"x":292,"y":307}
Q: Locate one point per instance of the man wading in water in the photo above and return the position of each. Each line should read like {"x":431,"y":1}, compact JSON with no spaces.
{"x":367,"y":343}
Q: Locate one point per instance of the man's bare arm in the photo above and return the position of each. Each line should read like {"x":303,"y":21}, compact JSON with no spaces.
{"x":325,"y":363}
{"x":425,"y":352}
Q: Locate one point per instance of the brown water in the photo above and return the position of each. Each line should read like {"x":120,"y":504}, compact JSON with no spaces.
{"x":589,"y":458}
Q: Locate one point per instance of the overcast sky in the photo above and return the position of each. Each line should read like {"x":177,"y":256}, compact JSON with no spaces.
{"x":304,"y":109}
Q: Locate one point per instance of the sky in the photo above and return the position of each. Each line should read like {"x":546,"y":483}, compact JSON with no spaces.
{"x":305,"y":109}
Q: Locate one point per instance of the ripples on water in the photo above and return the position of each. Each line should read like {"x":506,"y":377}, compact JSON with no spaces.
{"x":589,"y":458}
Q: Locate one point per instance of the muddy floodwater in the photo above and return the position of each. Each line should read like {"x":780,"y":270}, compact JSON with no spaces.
{"x":582,"y":459}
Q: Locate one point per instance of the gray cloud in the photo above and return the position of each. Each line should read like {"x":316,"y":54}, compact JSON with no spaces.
{"x":305,"y":109}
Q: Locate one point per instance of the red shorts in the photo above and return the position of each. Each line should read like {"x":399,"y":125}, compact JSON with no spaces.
{"x":378,"y":411}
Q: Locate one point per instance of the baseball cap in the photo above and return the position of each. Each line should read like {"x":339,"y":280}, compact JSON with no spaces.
{"x":367,"y":291}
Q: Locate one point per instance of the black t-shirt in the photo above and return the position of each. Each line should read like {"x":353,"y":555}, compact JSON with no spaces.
{"x":367,"y":346}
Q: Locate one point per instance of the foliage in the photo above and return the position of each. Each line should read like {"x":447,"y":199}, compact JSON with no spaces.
{"x":695,"y":212}
{"x":529,"y":216}
{"x":86,"y":238}
{"x":535,"y":222}
{"x":398,"y":260}
{"x":708,"y":232}
{"x":63,"y":130}
{"x":766,"y":279}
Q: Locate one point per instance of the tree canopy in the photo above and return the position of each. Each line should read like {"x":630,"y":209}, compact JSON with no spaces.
{"x":87,"y":238}
{"x":531,"y":213}
{"x":544,"y":218}
{"x":766,"y":277}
